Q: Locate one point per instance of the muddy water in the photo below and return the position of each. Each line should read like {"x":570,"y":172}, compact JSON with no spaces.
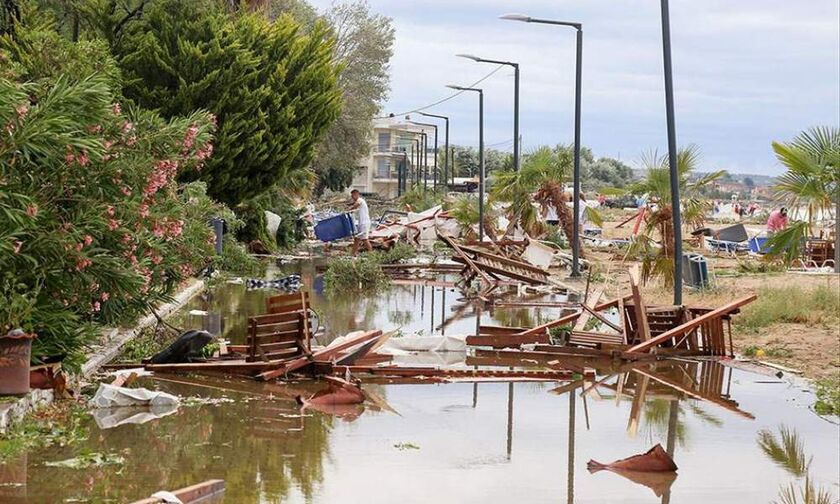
{"x":458,"y":442}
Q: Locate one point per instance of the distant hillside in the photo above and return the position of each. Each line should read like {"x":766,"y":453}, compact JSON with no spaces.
{"x":758,"y":180}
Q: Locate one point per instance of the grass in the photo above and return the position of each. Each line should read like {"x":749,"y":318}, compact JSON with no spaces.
{"x":790,"y":304}
{"x":756,"y":351}
{"x":828,"y":396}
{"x":57,"y":425}
{"x":364,"y":273}
{"x":150,"y":341}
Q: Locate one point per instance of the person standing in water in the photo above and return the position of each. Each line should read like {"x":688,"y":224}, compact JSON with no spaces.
{"x":363,"y":233}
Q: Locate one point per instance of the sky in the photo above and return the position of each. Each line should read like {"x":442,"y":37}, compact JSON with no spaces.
{"x":746,"y":72}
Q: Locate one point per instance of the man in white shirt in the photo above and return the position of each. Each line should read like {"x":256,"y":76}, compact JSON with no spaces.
{"x":363,"y":233}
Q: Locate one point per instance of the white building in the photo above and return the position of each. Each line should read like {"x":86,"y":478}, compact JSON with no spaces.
{"x":396,"y":154}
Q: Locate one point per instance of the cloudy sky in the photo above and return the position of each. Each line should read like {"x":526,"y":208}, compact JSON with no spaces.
{"x":745,"y":72}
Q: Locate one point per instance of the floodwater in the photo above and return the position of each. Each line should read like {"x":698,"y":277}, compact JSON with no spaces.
{"x":448,"y":443}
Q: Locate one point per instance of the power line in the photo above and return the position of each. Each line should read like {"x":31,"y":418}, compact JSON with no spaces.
{"x":453,"y":95}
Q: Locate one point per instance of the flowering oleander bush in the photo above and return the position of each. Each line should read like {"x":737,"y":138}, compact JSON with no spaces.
{"x":94,"y":227}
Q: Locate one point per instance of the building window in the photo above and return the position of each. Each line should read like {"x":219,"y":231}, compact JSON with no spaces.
{"x":383,"y":168}
{"x":384,"y":143}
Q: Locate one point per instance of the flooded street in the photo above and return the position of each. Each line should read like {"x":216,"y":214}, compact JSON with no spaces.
{"x":455,"y":442}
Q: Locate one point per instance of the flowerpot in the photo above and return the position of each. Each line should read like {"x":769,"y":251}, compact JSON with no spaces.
{"x":15,"y":351}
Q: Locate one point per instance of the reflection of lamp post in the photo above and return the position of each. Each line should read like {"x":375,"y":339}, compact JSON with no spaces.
{"x":425,"y":178}
{"x":480,"y":156}
{"x":510,"y":420}
{"x":578,"y":70}
{"x":515,"y":66}
{"x":673,"y":419}
{"x":570,"y":484}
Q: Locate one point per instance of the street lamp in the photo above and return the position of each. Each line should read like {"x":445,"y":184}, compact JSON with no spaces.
{"x":516,"y":156}
{"x":446,"y":147}
{"x":480,"y":155}
{"x":579,"y":27}
{"x":672,"y":152}
{"x":430,"y":125}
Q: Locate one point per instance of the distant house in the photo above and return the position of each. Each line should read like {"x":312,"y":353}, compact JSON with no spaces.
{"x":396,"y":157}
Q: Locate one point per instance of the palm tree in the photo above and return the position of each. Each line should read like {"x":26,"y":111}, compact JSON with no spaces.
{"x":812,"y":179}
{"x":539,"y":180}
{"x":657,"y":185}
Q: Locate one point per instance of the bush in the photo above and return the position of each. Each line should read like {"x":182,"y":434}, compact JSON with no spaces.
{"x":362,"y":274}
{"x":93,"y":227}
{"x":400,"y":252}
{"x":828,"y":396}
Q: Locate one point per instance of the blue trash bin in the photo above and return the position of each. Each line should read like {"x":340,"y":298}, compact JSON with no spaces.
{"x":335,"y":228}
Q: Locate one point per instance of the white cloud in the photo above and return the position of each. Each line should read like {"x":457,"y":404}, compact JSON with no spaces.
{"x":745,"y":72}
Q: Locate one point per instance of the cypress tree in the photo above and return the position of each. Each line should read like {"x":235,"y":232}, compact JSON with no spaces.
{"x":273,"y":88}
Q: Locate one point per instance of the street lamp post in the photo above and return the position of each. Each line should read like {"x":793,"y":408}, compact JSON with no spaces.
{"x":413,"y":173}
{"x":516,"y":154}
{"x":578,"y":79}
{"x":430,"y":125}
{"x":672,"y":152}
{"x":446,"y":147}
{"x":480,"y":155}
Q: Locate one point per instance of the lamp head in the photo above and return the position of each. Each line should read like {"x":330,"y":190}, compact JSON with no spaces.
{"x":453,"y":86}
{"x":516,"y":17}
{"x":469,"y":56}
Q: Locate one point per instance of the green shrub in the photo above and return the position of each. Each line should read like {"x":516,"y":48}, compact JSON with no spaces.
{"x":400,"y":252}
{"x":828,"y":396}
{"x":94,"y":228}
{"x":237,"y":261}
{"x":355,"y":274}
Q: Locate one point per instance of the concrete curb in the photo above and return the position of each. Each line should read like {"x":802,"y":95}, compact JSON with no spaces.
{"x":14,"y":411}
{"x":114,"y":339}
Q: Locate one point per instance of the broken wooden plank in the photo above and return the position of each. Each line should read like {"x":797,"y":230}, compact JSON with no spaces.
{"x":690,"y":325}
{"x":642,"y":327}
{"x":585,"y":315}
{"x":325,"y":354}
{"x":554,"y":323}
{"x":191,"y":494}
{"x":507,"y":340}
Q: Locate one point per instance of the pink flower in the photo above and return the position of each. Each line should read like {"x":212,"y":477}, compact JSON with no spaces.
{"x":95,"y":306}
{"x":32,"y":210}
{"x":83,"y":159}
{"x":144,"y":210}
{"x":79,"y":247}
{"x":116,"y":109}
{"x":113,"y":224}
{"x":110,"y":210}
{"x":69,"y":157}
{"x":21,"y":111}
{"x":94,"y":128}
{"x":88,"y":239}
{"x":189,"y":138}
{"x":131,"y":141}
{"x":127,"y":126}
{"x":105,"y":296}
{"x":125,"y":190}
{"x":16,"y":247}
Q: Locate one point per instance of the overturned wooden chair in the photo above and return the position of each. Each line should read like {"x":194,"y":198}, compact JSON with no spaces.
{"x":285,"y":332}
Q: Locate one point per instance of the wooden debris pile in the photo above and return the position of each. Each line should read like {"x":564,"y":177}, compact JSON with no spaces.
{"x":631,"y":331}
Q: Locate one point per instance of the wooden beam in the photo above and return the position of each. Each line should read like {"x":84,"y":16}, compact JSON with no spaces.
{"x":192,"y":493}
{"x":554,"y":323}
{"x":642,"y":326}
{"x":586,"y":314}
{"x":691,"y":324}
{"x":507,"y":340}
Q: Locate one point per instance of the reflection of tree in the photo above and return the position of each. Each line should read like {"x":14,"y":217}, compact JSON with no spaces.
{"x":400,"y":317}
{"x":256,"y":446}
{"x":788,"y":452}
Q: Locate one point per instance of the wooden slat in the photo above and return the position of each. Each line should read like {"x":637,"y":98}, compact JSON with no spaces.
{"x":691,"y":324}
{"x":641,"y":312}
{"x":554,"y":323}
{"x":192,"y":493}
{"x":493,"y":330}
{"x":591,"y":301}
{"x":507,"y":340}
{"x":274,"y":318}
